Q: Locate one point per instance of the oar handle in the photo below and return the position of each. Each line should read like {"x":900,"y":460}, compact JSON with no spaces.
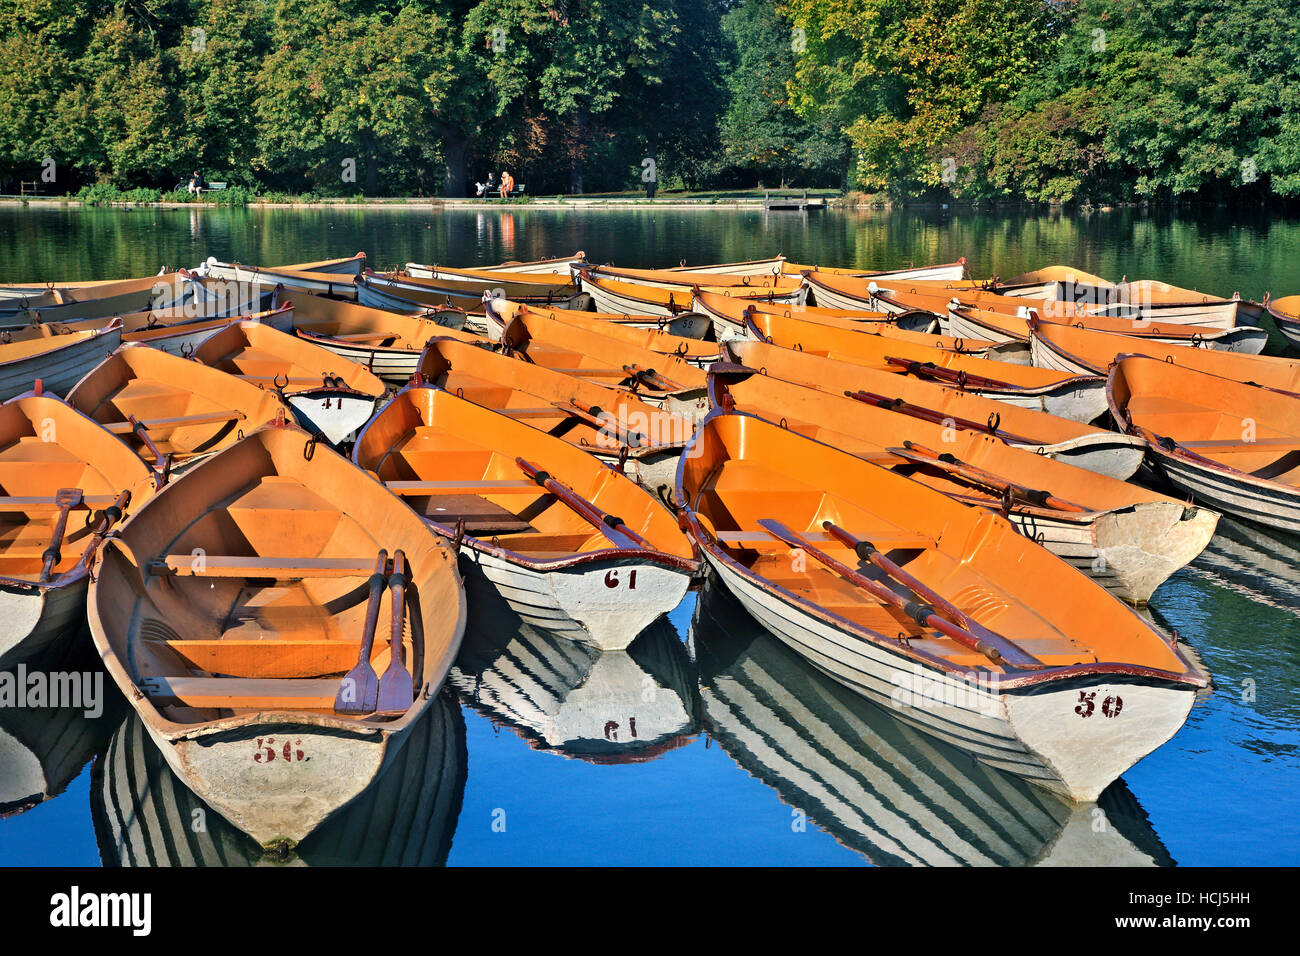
{"x":377,"y":582}
{"x":951,"y":463}
{"x":939,"y":418}
{"x":67,"y":499}
{"x":961,"y":378}
{"x":998,"y":648}
{"x":397,"y":592}
{"x":611,"y":526}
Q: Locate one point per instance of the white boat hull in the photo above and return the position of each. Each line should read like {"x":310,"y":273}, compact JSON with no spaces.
{"x":604,"y":603}
{"x":333,"y":413}
{"x":1233,"y":492}
{"x":1034,"y":733}
{"x":59,"y":369}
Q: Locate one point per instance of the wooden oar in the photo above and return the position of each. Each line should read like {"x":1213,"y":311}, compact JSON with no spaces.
{"x":930,"y":415}
{"x":66,"y":499}
{"x":996,"y":648}
{"x":396,"y":690}
{"x":359,"y":692}
{"x":959,"y":378}
{"x":649,"y":376}
{"x":595,"y":415}
{"x":1008,"y":650}
{"x":610,"y":526}
{"x":949,"y":463}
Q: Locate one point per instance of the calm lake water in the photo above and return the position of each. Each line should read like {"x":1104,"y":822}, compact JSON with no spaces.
{"x":708,"y":742}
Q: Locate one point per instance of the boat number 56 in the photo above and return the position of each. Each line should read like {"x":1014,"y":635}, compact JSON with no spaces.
{"x":612,"y":579}
{"x":1111,"y":706}
{"x":267,"y":752}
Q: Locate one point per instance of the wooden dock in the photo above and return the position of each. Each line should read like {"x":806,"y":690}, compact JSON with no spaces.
{"x":791,"y":203}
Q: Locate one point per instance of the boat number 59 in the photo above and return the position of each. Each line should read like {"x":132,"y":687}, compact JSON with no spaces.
{"x":612,"y":579}
{"x":1110,"y":707}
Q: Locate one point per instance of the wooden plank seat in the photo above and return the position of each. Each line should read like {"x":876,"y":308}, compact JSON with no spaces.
{"x":490,"y":486}
{"x":365,"y":336}
{"x":202,"y":418}
{"x":241,"y":566}
{"x":551,"y":412}
{"x":49,"y":504}
{"x":235,"y":692}
{"x":268,"y":658}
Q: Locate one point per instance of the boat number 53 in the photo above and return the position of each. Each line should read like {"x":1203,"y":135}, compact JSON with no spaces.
{"x":267,"y":752}
{"x":1111,"y":706}
{"x":612,"y":579}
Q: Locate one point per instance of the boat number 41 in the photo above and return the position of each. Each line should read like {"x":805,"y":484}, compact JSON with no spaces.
{"x":612,"y":579}
{"x":1111,"y":706}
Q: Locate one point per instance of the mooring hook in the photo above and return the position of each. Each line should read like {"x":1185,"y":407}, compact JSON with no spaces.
{"x":995,"y":419}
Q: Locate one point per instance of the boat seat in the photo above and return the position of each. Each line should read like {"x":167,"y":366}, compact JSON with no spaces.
{"x":260,"y":693}
{"x":489,"y":486}
{"x":181,"y":421}
{"x":256,"y":566}
{"x":46,"y":506}
{"x":275,"y":658}
{"x":481,"y":516}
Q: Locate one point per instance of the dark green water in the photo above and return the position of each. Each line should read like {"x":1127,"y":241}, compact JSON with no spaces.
{"x":744,"y":776}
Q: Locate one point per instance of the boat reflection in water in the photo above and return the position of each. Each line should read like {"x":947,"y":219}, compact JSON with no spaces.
{"x":1261,"y":564}
{"x":44,"y":748}
{"x":572,"y":699}
{"x":879,"y":787}
{"x":145,"y":816}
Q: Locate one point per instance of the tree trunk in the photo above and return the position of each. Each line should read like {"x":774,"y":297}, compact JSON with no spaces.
{"x":372,"y":164}
{"x":455,"y":149}
{"x":579,"y":149}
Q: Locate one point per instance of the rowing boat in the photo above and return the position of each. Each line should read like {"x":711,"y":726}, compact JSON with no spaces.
{"x":1128,"y":539}
{"x":816,"y":331}
{"x":612,"y":424}
{"x":627,"y":298}
{"x":662,"y":380}
{"x":1047,"y":281}
{"x":328,"y":396}
{"x":1096,"y":449}
{"x":177,"y":289}
{"x":573,"y":546}
{"x":144,"y":814}
{"x":562,"y":264}
{"x":1080,"y":397}
{"x":998,"y":326}
{"x":1286,"y":316}
{"x":673,"y":279}
{"x":919,"y":294}
{"x":943,"y":272}
{"x":66,"y":483}
{"x":352,"y":265}
{"x":668,"y":337}
{"x":1234,"y":446}
{"x":572,"y":700}
{"x":879,"y":787}
{"x":171,"y":411}
{"x":752,"y":267}
{"x":57,"y":356}
{"x":232,"y":612}
{"x":967,"y":629}
{"x":1085,"y":351}
{"x":342,"y":285}
{"x":466,"y":289}
{"x":387,"y":344}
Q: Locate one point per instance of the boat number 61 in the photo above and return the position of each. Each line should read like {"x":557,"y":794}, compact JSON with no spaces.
{"x":1111,"y":706}
{"x":612,"y":580}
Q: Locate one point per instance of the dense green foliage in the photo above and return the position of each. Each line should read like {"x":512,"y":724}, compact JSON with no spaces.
{"x":1097,"y":100}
